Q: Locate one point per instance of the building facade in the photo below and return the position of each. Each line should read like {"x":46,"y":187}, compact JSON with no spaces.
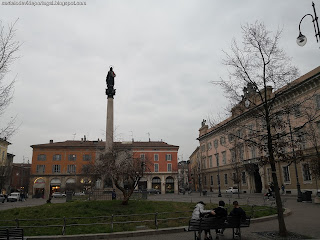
{"x":20,"y":177}
{"x":6,"y":160}
{"x":184,"y":175}
{"x":57,"y":166}
{"x":233,"y":153}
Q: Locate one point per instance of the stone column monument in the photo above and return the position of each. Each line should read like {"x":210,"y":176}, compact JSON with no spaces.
{"x":110,"y":92}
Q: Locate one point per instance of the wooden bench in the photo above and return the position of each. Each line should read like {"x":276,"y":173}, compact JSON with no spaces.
{"x":201,"y":224}
{"x":11,"y":233}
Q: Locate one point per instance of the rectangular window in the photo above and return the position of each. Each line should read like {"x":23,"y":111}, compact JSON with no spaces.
{"x":56,"y":157}
{"x":269,"y":177}
{"x":42,"y":157}
{"x":243,"y":178}
{"x":56,"y":168}
{"x":71,"y":168}
{"x":72,"y":157}
{"x":239,"y":133}
{"x":204,"y":165}
{"x":230,"y":137}
{"x":168,"y":157}
{"x":233,"y":155}
{"x":300,"y":138}
{"x":318,"y":102}
{"x":250,"y":130}
{"x":86,"y":157}
{"x":156,"y":157}
{"x":209,"y":147}
{"x":217,"y":159}
{"x":210,"y":161}
{"x":203,"y":147}
{"x":296,"y":110}
{"x":205,"y":180}
{"x":156,"y":167}
{"x":306,"y":172}
{"x":234,"y":177}
{"x":286,"y":175}
{"x":224,"y":157}
{"x":226,"y":179}
{"x":222,"y":140}
{"x":216,"y":143}
{"x":253,"y":152}
{"x":169,"y":167}
{"x":41,"y":168}
{"x":241,"y":152}
{"x":211,"y":180}
{"x":142,"y":156}
{"x":318,"y":126}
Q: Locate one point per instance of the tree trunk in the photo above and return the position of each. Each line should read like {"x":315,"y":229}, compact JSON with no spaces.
{"x":282,"y":225}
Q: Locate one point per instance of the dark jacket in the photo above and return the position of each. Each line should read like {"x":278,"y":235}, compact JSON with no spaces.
{"x":221,"y":212}
{"x":239,"y":213}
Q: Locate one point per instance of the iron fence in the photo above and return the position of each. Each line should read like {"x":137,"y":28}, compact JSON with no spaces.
{"x":151,"y":220}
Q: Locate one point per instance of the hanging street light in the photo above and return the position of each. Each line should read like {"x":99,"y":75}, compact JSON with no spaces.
{"x":301,"y":39}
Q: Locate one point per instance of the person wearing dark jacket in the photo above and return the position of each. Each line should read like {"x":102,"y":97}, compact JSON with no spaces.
{"x":239,"y":213}
{"x":220,"y":212}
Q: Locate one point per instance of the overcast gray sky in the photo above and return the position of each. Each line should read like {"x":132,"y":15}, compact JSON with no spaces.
{"x":164,"y":53}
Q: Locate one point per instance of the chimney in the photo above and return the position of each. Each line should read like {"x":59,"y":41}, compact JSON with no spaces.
{"x":51,"y":141}
{"x":84,"y":138}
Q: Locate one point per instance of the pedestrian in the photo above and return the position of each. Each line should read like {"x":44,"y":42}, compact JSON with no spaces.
{"x":199,"y":212}
{"x":238,"y":213}
{"x":114,"y":195}
{"x":220,"y":213}
{"x":282,"y":188}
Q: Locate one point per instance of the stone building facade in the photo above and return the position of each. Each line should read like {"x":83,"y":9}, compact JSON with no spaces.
{"x":228,"y":155}
{"x":57,"y":166}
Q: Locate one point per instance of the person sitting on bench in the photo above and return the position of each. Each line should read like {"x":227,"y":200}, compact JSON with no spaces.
{"x":238,"y":212}
{"x":198,"y":212}
{"x":221,"y":212}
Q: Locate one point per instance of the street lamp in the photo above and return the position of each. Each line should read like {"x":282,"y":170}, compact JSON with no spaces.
{"x":217,"y":158}
{"x":299,"y":198}
{"x":219,"y":195}
{"x":301,"y":39}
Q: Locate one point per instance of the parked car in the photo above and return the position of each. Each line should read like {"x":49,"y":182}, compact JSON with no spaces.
{"x":58,"y":195}
{"x":153,"y":191}
{"x":232,"y":190}
{"x":14,"y":197}
{"x":2,"y":198}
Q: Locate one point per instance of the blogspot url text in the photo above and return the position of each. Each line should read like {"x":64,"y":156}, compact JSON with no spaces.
{"x":43,"y":3}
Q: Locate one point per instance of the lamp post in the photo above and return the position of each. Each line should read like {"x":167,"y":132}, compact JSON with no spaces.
{"x":299,"y":198}
{"x":219,"y":195}
{"x":302,"y":40}
{"x":217,"y":158}
{"x":199,"y":177}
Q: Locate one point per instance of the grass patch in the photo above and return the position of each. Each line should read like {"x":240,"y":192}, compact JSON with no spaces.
{"x":99,"y":213}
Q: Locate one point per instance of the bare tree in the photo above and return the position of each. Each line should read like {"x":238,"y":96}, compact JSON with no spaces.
{"x":8,"y":49}
{"x":122,"y":167}
{"x":257,"y":67}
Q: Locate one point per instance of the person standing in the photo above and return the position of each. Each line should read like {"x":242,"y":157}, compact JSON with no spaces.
{"x":282,"y":188}
{"x":114,"y":195}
